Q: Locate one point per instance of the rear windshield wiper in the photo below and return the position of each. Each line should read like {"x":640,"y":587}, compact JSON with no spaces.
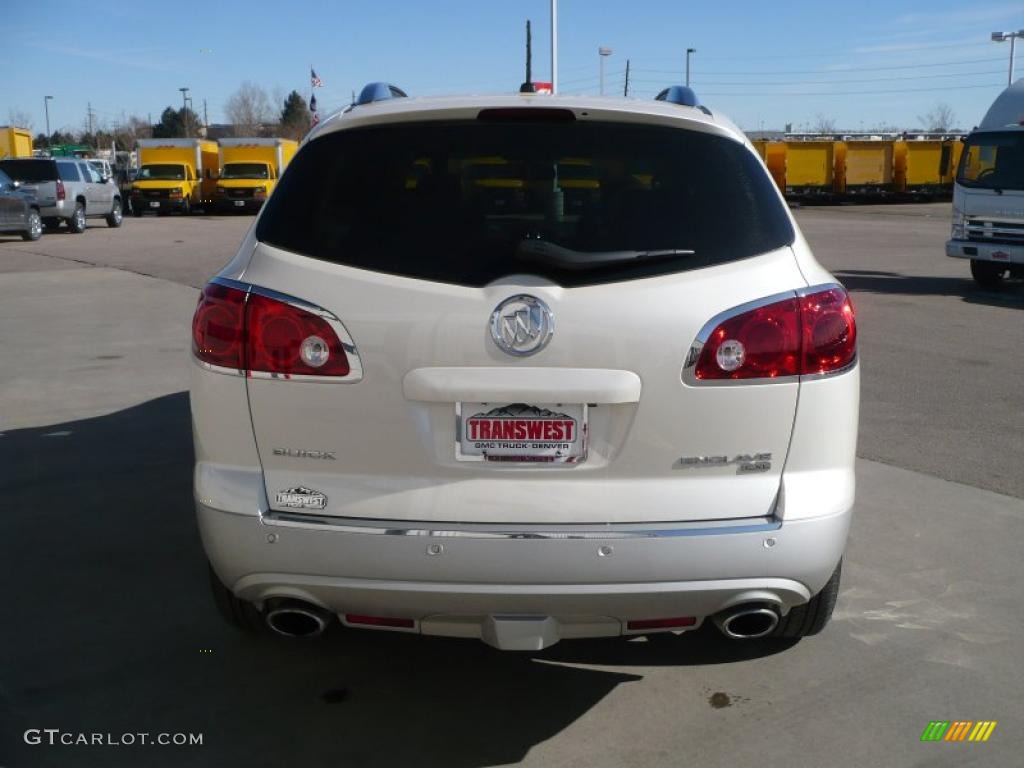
{"x":541,"y":250}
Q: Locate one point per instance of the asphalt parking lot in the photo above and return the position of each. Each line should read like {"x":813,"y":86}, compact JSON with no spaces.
{"x":108,"y":627}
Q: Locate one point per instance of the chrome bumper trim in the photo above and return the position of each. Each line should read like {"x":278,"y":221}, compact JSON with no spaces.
{"x":480,"y":531}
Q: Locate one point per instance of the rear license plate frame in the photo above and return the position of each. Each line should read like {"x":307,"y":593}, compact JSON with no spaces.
{"x":505,"y":455}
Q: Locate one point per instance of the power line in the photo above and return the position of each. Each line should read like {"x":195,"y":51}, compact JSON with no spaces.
{"x":839,"y":82}
{"x":834,"y":71}
{"x":865,"y":51}
{"x":852,"y":93}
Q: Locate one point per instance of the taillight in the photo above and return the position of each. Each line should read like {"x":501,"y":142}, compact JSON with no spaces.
{"x":218,"y":327}
{"x":61,"y":192}
{"x":809,"y":334}
{"x":247,"y":331}
{"x":285,"y":339}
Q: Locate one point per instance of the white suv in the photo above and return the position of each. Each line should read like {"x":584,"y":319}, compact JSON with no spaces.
{"x":524,"y":368}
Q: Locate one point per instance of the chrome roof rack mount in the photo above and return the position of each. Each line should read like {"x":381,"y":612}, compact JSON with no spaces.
{"x":379,"y":92}
{"x":682,"y":95}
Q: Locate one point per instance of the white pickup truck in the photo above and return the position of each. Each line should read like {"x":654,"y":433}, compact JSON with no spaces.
{"x":988,"y":194}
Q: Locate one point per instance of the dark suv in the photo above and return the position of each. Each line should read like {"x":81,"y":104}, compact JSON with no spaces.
{"x":68,"y":189}
{"x":19,"y":211}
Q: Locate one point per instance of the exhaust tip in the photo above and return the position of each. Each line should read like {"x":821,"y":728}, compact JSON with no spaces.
{"x":293,"y":618}
{"x":748,"y":622}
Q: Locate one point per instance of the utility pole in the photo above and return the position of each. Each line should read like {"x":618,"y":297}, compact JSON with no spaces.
{"x":554,"y":47}
{"x":184,"y":109}
{"x":527,"y":86}
{"x":603,"y":52}
{"x":46,"y":107}
{"x":625,"y":91}
{"x":206,"y":123}
{"x":88,"y":112}
{"x":689,"y":52}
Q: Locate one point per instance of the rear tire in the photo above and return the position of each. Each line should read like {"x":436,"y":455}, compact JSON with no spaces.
{"x":35,"y":227}
{"x":240,"y":614}
{"x":114,"y":218}
{"x":988,"y":274}
{"x":76,"y":223}
{"x":186,"y":209}
{"x":811,"y":617}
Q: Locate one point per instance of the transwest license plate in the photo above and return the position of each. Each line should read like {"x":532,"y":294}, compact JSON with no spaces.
{"x":154,"y":205}
{"x":239,"y":203}
{"x":521,"y":432}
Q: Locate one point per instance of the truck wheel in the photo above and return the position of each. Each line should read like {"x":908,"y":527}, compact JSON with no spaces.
{"x":240,"y":614}
{"x":988,"y":274}
{"x":811,"y":617}
{"x":186,"y":209}
{"x":114,"y":218}
{"x":35,"y":226}
{"x":76,"y":223}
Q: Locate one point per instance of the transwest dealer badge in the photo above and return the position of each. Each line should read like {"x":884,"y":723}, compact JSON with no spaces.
{"x":301,"y":498}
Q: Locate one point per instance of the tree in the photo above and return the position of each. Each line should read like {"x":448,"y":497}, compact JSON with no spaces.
{"x":19,"y":119}
{"x":173,"y":123}
{"x":249,"y":109}
{"x":940,"y":119}
{"x":823,"y":124}
{"x":295,"y":117}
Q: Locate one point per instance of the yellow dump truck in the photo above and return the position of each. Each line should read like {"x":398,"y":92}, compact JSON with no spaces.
{"x":174,"y":175}
{"x":249,"y":169}
{"x":15,"y":142}
{"x":810,"y":168}
{"x":864,"y":167}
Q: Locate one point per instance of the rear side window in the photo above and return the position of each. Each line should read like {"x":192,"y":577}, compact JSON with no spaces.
{"x":30,"y":170}
{"x":575,"y":202}
{"x":68,"y":171}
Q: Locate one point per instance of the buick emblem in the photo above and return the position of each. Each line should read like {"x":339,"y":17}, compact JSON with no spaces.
{"x":522,"y":325}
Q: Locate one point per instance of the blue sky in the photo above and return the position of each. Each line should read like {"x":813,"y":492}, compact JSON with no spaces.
{"x":861,"y":63}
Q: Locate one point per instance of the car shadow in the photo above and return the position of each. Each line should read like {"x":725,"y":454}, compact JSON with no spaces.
{"x":108,"y":628}
{"x":872,"y":281}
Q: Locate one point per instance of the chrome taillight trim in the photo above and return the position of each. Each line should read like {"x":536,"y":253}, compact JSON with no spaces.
{"x":693,"y":354}
{"x":355,"y":362}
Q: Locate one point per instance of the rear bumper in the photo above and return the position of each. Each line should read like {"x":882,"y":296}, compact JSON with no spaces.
{"x":163,"y":204}
{"x":228,"y":204}
{"x":585,"y":581}
{"x":996,"y":252}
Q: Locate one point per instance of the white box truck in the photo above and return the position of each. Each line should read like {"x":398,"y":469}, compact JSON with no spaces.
{"x":988,"y":193}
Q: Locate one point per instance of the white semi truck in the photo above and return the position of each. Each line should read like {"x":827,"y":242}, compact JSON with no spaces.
{"x":988,"y":194}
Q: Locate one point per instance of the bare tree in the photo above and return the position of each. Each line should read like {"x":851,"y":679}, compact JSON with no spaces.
{"x":823,"y":124}
{"x":249,"y":109}
{"x":940,"y":119}
{"x":18,"y":119}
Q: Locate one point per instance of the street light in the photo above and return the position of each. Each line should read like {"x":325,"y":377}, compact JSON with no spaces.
{"x":689,"y":52}
{"x":603,"y":52}
{"x":554,"y":47}
{"x":46,"y":108}
{"x":184,"y":108}
{"x":1002,"y":37}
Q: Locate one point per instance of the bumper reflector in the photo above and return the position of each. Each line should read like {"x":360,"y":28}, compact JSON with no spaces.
{"x":679,"y":621}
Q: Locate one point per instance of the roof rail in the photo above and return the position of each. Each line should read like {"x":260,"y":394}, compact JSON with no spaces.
{"x":682,"y":95}
{"x":379,"y":92}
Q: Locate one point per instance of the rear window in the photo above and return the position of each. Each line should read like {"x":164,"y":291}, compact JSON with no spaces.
{"x":68,"y":171}
{"x":575,"y":202}
{"x":30,"y":170}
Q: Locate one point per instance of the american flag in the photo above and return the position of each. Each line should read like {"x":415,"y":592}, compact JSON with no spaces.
{"x":314,"y":81}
